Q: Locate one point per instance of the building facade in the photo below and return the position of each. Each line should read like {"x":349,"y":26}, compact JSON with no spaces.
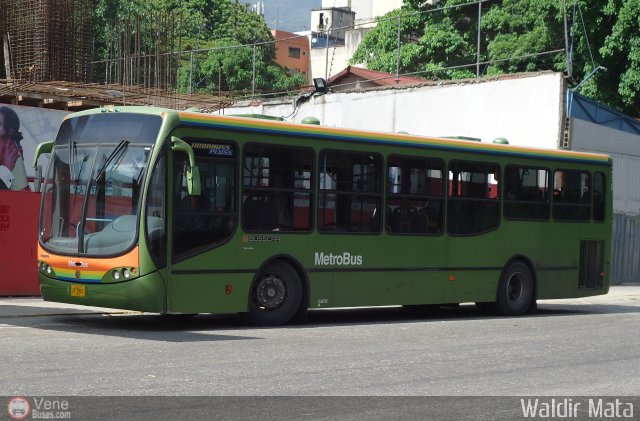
{"x":292,"y":51}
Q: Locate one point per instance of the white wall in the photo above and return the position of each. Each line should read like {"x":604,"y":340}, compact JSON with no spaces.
{"x":527,"y":110}
{"x":339,"y":57}
{"x":624,"y":149}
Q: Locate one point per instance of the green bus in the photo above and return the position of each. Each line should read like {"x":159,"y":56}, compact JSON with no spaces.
{"x":172,"y":212}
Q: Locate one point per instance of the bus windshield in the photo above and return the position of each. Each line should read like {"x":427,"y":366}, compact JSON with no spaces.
{"x":91,"y":196}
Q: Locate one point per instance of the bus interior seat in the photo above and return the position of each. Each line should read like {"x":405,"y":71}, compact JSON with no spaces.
{"x":419,"y":223}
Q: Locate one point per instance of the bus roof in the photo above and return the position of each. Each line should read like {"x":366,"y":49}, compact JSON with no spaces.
{"x":381,"y":138}
{"x":268,"y":126}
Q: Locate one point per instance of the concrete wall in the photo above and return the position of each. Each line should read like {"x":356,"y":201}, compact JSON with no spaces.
{"x":624,"y":149}
{"x":338,"y":56}
{"x":527,"y":110}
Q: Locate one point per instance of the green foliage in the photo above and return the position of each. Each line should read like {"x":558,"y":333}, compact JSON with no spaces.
{"x":516,"y":36}
{"x":429,"y":42}
{"x":230,"y":68}
{"x":163,"y":26}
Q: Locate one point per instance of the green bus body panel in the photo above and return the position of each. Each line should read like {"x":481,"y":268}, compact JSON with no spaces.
{"x":395,"y":269}
{"x":146,"y":293}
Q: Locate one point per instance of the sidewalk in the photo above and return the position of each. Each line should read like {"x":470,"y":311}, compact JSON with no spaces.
{"x":36,"y":306}
{"x":625,"y":295}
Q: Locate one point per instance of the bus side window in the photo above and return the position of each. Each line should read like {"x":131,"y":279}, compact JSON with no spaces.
{"x":599,"y":203}
{"x":572,"y":196}
{"x":350,"y":185}
{"x":414,"y":195}
{"x":277,"y":188}
{"x":206,"y":220}
{"x":475,"y":209}
{"x":155,"y":214}
{"x":526,"y":193}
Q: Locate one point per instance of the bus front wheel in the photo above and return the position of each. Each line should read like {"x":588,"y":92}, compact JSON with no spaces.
{"x":276,"y":296}
{"x":515,"y":290}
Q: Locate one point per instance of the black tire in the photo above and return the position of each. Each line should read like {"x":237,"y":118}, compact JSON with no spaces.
{"x":422,"y":309}
{"x":487,"y":308}
{"x":275,"y":297}
{"x":515,"y":290}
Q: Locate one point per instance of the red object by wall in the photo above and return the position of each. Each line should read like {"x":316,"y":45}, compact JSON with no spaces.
{"x":18,"y":242}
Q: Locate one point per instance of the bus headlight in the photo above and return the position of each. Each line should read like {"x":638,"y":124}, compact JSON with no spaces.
{"x":122,"y":274}
{"x":45,"y":268}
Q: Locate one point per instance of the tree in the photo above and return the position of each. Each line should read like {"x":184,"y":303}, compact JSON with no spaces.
{"x":430,"y":41}
{"x":517,"y":36}
{"x":155,"y":29}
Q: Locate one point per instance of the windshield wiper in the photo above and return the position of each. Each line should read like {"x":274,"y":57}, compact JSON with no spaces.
{"x":119,"y":149}
{"x":73,"y":150}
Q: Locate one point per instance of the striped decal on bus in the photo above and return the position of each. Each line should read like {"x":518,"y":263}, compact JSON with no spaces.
{"x":334,"y":134}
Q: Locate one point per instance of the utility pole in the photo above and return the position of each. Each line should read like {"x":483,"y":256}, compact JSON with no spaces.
{"x":326,"y":62}
{"x":566,"y":39}
{"x":398,"y":49}
{"x":478,"y":52}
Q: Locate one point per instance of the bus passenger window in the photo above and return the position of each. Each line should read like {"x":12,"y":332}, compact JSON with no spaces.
{"x":155,"y":214}
{"x":526,"y":194}
{"x":209,"y":219}
{"x":599,"y":204}
{"x":277,"y":188}
{"x":350,"y":198}
{"x":473,"y":206}
{"x":572,"y":196}
{"x":414,"y":195}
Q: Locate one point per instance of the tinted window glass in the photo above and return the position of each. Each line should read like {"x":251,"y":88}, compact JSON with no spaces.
{"x":571,"y":196}
{"x":350,"y":197}
{"x":110,"y":128}
{"x":473,"y":205}
{"x":526,"y":193}
{"x":414,"y":195}
{"x":156,"y":213}
{"x":277,"y":189}
{"x":202,"y":221}
{"x":599,"y":192}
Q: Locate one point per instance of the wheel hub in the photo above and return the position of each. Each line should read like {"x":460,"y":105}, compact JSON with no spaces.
{"x":515,"y":288}
{"x":270,"y":292}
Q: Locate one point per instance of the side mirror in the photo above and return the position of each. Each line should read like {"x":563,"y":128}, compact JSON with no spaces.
{"x":37,"y":180}
{"x":42,"y":148}
{"x":193,"y":174}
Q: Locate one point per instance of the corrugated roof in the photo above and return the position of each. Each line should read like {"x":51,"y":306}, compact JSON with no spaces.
{"x":374,"y":76}
{"x":77,"y":95}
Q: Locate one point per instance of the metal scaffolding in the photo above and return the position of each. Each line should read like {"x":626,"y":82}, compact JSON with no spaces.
{"x":46,"y":39}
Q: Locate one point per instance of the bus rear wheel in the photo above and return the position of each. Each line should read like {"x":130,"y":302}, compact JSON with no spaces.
{"x":515,"y":290}
{"x":275,"y":297}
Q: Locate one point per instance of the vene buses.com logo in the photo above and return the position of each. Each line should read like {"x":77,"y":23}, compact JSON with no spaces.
{"x":18,"y":408}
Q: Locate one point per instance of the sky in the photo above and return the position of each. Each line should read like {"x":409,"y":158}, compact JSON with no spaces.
{"x":288,"y":15}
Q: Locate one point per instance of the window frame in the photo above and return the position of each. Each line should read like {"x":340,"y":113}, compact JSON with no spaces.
{"x":427,"y":160}
{"x":555,"y":203}
{"x":175,"y":258}
{"x":320,"y":192}
{"x":498,"y":200}
{"x":604,"y":197}
{"x":265,"y":190}
{"x":548,"y":200}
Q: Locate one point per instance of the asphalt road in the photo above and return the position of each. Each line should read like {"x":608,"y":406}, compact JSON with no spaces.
{"x":587,"y":347}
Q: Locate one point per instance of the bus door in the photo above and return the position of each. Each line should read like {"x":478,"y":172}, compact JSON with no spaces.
{"x":473,"y":216}
{"x":202,"y":262}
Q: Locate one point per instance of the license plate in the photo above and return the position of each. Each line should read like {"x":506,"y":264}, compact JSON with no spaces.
{"x":78,"y":291}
